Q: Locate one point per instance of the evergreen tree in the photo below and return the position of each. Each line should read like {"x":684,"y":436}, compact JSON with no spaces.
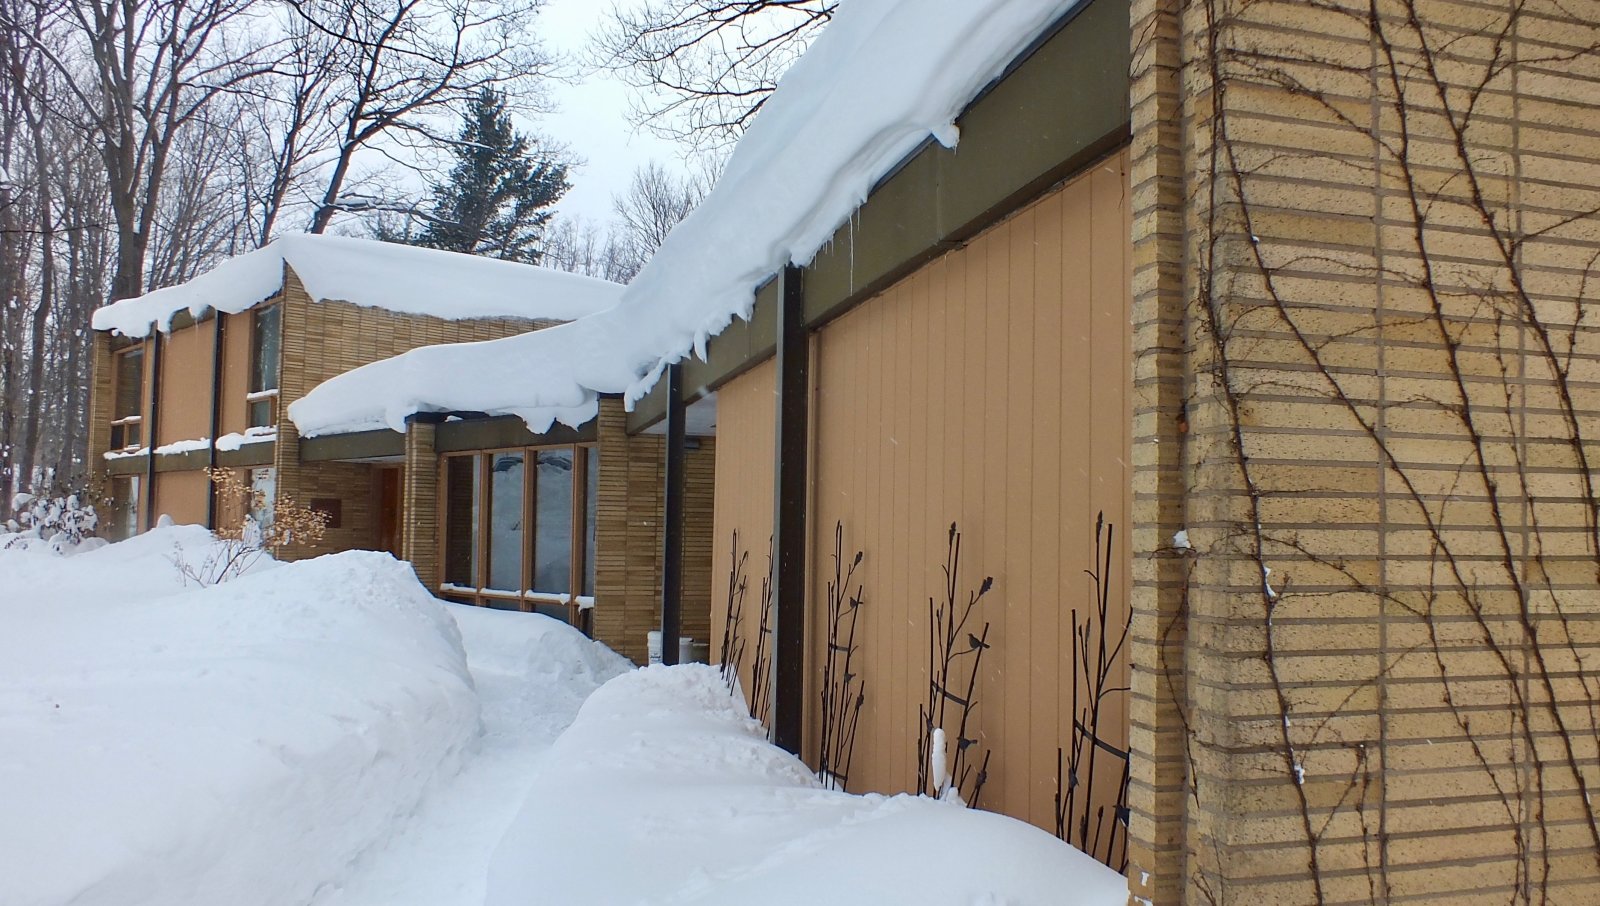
{"x":496,"y":199}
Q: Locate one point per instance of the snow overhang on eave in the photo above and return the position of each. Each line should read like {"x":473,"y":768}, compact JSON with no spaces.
{"x":1059,"y":107}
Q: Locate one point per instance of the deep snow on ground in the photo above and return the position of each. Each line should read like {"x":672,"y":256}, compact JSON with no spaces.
{"x":327,"y":733}
{"x":238,"y":744}
{"x":664,"y":791}
{"x":532,"y":675}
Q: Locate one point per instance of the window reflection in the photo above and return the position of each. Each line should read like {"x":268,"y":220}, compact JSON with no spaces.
{"x":552,"y":547}
{"x":518,"y":540}
{"x":505,"y":522}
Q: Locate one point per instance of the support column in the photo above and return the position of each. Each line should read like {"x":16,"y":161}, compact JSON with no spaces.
{"x":789,"y":515}
{"x":153,"y":429}
{"x":419,"y":502}
{"x":672,"y":512}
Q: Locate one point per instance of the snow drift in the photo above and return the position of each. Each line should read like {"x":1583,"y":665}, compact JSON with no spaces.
{"x":664,"y":791}
{"x":237,"y":744}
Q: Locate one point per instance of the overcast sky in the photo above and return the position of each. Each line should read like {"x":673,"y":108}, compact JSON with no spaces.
{"x":592,"y":118}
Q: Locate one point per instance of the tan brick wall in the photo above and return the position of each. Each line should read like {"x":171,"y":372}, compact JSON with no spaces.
{"x":419,"y":502}
{"x":628,"y":536}
{"x":325,"y":339}
{"x":1355,"y":393}
{"x":320,"y":340}
{"x":101,"y":378}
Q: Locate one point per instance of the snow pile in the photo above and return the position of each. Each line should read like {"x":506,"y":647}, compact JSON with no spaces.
{"x":549,"y":668}
{"x":532,"y":674}
{"x":881,"y":79}
{"x":664,"y":791}
{"x":398,"y":278}
{"x":238,"y":744}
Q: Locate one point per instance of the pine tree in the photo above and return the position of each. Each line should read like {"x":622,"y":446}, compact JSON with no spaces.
{"x":496,"y":199}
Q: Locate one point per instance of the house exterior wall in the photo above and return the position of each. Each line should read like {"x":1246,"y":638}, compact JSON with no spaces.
{"x":101,"y":383}
{"x":628,"y":535}
{"x":1366,"y":369}
{"x":324,"y":339}
{"x":419,"y":504}
{"x":184,"y":496}
{"x":745,"y":473}
{"x":237,"y":342}
{"x":319,"y":340}
{"x":988,"y":389}
{"x":184,"y":389}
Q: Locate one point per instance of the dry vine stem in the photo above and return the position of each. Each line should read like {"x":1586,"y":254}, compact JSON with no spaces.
{"x":843,"y":690}
{"x":1386,"y":265}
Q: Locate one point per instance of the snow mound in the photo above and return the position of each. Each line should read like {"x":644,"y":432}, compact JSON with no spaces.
{"x":236,"y":744}
{"x":534,"y":647}
{"x":882,"y":79}
{"x":664,"y":791}
{"x":540,"y":670}
{"x":399,"y":278}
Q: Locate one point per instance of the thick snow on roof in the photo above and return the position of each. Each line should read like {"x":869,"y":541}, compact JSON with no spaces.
{"x":881,"y":80}
{"x":398,"y":278}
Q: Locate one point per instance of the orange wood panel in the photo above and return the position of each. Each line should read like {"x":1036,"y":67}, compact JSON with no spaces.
{"x":183,"y":496}
{"x":185,"y":385}
{"x":989,"y":389}
{"x":236,"y":342}
{"x":746,"y":441}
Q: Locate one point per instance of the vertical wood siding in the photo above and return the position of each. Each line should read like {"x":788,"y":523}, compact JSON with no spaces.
{"x":183,"y":496}
{"x":989,"y":389}
{"x":186,"y":386}
{"x":745,"y":448}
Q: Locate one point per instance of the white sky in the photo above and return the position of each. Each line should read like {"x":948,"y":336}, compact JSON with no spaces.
{"x":592,"y":117}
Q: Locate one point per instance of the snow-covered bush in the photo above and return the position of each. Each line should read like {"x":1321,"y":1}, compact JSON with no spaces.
{"x":60,"y":522}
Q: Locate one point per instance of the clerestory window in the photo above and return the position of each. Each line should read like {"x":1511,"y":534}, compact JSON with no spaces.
{"x":265,"y":351}
{"x":127,"y":414}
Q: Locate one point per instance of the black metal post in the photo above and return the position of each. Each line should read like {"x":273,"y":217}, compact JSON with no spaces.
{"x":789,"y":515}
{"x":216,"y":415}
{"x":672,"y":531}
{"x":154,"y":427}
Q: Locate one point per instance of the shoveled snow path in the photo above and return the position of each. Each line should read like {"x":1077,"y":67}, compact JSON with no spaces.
{"x":532,"y":676}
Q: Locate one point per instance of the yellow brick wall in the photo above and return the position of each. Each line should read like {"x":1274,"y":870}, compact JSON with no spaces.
{"x":1364,"y":362}
{"x":628,"y":537}
{"x":419,"y":502}
{"x":101,"y":378}
{"x":325,"y":339}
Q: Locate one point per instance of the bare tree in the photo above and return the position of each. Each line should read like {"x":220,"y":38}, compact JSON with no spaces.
{"x":397,"y":64}
{"x":704,"y":68}
{"x":284,"y":128}
{"x":134,"y":73}
{"x":654,"y":203}
{"x":585,"y":247}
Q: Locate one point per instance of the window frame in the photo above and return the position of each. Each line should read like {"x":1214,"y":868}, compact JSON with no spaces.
{"x":527,"y":599}
{"x":121,"y":423}
{"x":267,"y":395}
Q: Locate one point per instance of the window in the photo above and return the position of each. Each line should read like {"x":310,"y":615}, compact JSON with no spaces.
{"x":124,"y":508}
{"x":517,"y":537}
{"x":127,"y":414}
{"x":267,"y":336}
{"x":264,"y":495}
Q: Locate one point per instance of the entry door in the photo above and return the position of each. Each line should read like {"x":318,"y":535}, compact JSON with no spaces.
{"x":389,"y":509}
